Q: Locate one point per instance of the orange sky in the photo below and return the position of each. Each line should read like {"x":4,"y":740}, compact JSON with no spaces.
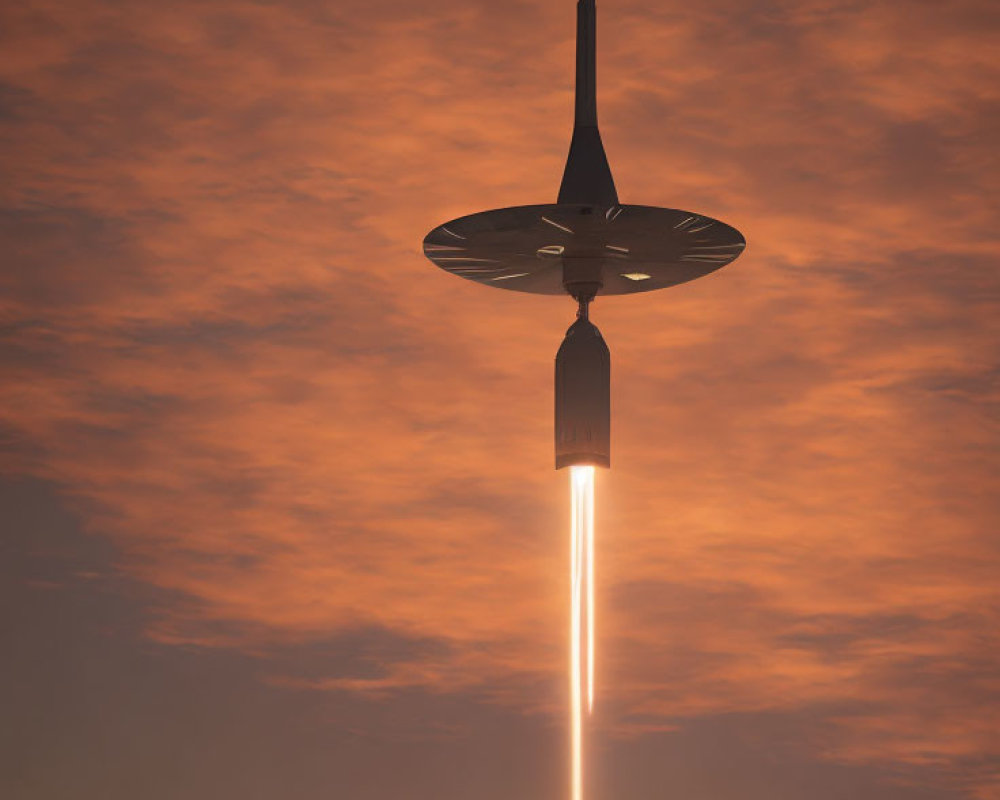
{"x":224,"y":351}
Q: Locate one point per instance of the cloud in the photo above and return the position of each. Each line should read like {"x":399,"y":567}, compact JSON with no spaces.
{"x":220,"y":335}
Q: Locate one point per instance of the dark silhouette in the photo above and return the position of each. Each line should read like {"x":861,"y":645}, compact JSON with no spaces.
{"x":587,"y":179}
{"x":585,"y":244}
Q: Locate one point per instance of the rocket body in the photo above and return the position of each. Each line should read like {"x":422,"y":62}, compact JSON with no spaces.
{"x":583,"y":398}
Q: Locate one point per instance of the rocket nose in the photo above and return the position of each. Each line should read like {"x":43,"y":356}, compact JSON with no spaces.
{"x":580,"y":330}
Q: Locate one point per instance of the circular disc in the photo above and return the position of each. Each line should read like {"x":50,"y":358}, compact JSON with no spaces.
{"x":640,"y":248}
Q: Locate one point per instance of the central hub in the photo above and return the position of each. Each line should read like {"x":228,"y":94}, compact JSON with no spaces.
{"x":583,"y":276}
{"x":584,"y":255}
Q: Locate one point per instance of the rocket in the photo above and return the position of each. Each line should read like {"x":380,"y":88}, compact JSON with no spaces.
{"x":586,"y":244}
{"x":583,"y":397}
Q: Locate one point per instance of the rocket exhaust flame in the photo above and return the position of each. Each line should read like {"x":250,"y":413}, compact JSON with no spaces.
{"x":581,"y":655}
{"x":589,"y":528}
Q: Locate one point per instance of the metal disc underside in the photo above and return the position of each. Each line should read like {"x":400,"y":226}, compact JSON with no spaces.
{"x":639,"y":248}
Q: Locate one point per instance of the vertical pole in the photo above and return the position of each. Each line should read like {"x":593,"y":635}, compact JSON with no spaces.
{"x":586,"y":63}
{"x":587,"y":178}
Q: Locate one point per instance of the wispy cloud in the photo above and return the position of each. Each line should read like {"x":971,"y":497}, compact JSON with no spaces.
{"x":219,"y":332}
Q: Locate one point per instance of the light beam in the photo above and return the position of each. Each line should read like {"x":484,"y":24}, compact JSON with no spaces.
{"x":581,"y":655}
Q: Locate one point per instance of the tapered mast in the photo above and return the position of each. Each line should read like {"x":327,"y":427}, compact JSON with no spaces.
{"x":587,"y":179}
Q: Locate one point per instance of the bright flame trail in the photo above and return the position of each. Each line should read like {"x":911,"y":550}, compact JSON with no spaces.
{"x":581,"y":606}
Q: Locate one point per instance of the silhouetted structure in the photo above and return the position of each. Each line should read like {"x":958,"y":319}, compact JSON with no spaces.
{"x":585,"y":244}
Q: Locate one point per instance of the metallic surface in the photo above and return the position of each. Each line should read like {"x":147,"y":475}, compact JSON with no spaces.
{"x":583,"y":398}
{"x":525,"y":248}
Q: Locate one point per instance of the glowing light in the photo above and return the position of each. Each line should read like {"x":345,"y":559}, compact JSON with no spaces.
{"x":581,"y":606}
